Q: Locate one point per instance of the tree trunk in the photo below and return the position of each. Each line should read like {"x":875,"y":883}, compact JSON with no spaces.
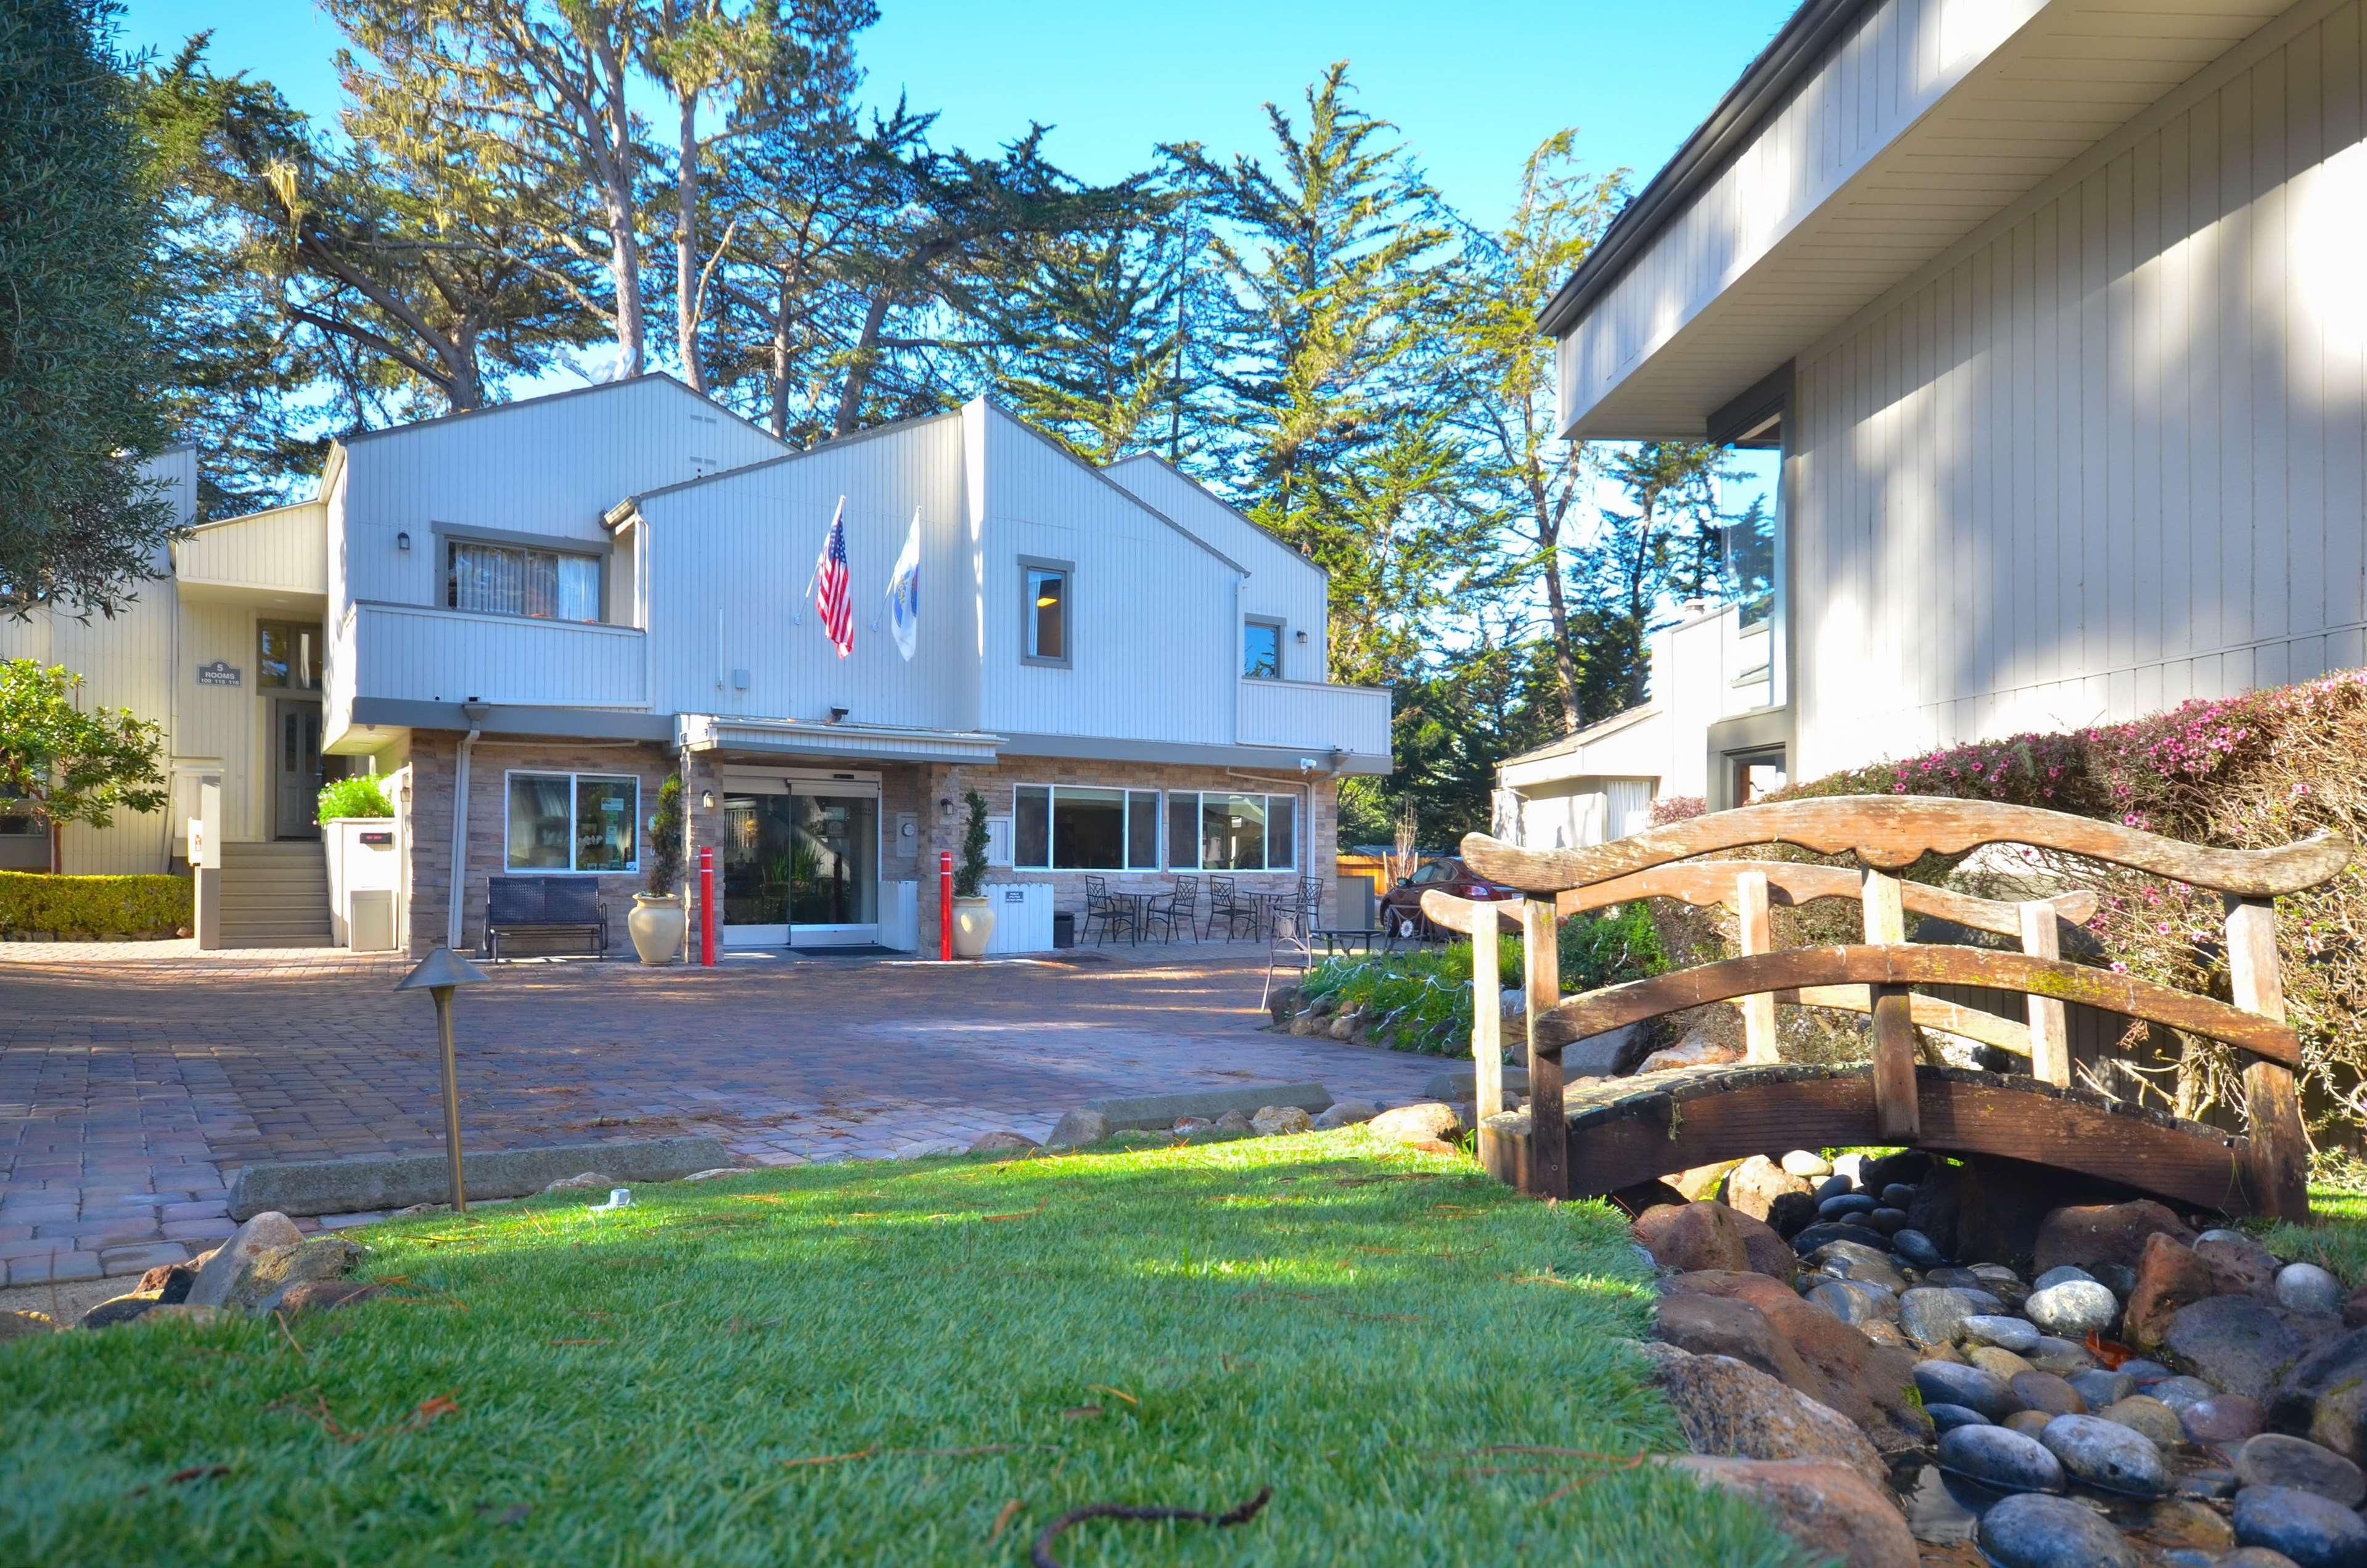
{"x":778,"y":419}
{"x":858,"y":367}
{"x":57,"y":852}
{"x":1565,"y":665}
{"x":685,"y":245}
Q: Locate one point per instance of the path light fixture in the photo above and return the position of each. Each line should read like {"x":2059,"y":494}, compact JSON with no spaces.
{"x":438,"y":973}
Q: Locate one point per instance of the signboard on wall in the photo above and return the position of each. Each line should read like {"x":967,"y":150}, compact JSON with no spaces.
{"x":222,"y":672}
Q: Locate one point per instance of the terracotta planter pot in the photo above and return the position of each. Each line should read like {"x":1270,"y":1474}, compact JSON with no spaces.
{"x":973,"y":927}
{"x":657,"y":924}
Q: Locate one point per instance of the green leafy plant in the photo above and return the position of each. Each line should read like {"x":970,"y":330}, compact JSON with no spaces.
{"x":970,"y":873}
{"x":94,"y":906}
{"x":68,"y":764}
{"x":666,"y":839}
{"x":359,"y":796}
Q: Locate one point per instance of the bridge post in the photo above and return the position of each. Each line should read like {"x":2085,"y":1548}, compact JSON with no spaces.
{"x":1548,"y":1122}
{"x":1897,"y":1117}
{"x":2276,"y":1154}
{"x":2050,"y":1029}
{"x":1757,"y":936}
{"x":1486,"y":1014}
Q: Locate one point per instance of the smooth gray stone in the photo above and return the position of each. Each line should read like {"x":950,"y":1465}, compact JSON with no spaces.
{"x":2204,"y":1481}
{"x":1824,"y":1232}
{"x":1955,"y":1279}
{"x":2307,"y":1528}
{"x":2223,"y":1418}
{"x":1999,"y":1457}
{"x":1157,"y":1113}
{"x":2117,"y":1278}
{"x":1975,"y":1388}
{"x":1930,"y":1315}
{"x":1849,"y":1260}
{"x":2101,"y":1388}
{"x":1898,"y":1195}
{"x":2061,"y":1357}
{"x":1834,"y":1186}
{"x":1948,"y":1417}
{"x":2147,"y":1372}
{"x":2221,"y":1235}
{"x":2037,"y":1531}
{"x":2072,"y":1309}
{"x":2046,"y":1392}
{"x":1843,"y":1205}
{"x":2005,"y":1333}
{"x":2274,"y":1459}
{"x":1916,"y":1248}
{"x":1853,"y":1303}
{"x":1890,"y":1221}
{"x":2058,"y":1274}
{"x":2242,"y":1557}
{"x":2180,"y":1392}
{"x":2307,"y":1288}
{"x":1995,"y":1274}
{"x":2106,"y":1454}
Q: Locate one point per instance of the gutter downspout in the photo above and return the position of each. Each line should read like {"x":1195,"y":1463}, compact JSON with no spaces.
{"x":455,"y":908}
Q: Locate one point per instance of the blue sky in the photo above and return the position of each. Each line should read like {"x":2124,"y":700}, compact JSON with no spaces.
{"x":1473,"y":90}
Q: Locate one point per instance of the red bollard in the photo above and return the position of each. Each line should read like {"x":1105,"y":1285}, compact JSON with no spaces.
{"x":706,"y":907}
{"x":944,"y":905}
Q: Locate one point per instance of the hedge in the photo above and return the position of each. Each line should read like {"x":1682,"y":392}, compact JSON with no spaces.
{"x":35,"y":903}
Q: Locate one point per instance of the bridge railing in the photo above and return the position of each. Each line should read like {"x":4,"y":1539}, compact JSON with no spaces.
{"x":1887,"y":835}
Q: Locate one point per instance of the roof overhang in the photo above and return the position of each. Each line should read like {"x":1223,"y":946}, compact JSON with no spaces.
{"x":866,"y":742}
{"x":1656,"y":337}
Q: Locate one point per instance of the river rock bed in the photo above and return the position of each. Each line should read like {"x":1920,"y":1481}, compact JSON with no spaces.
{"x":2022,"y":1381}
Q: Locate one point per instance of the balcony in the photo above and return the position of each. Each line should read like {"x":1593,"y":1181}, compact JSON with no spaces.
{"x":418,"y":653}
{"x":1314,"y":717}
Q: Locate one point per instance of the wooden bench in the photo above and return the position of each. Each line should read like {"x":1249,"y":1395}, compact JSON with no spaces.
{"x":2264,"y":1172}
{"x":519,"y":907}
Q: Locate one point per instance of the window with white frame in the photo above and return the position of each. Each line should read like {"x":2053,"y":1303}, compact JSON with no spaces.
{"x":1209,"y":832}
{"x":509,"y":579}
{"x":1082,"y":827}
{"x":573,"y":822}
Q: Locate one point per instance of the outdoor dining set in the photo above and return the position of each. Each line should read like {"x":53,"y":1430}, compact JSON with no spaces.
{"x":1167,"y":915}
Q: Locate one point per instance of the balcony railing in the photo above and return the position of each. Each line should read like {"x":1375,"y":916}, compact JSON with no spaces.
{"x":1314,"y":717}
{"x":419,"y":653}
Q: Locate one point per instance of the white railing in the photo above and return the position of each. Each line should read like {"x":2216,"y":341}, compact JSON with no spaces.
{"x":418,"y":653}
{"x":1314,"y":717}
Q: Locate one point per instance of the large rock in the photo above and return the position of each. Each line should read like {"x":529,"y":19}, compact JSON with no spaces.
{"x":1766,"y":1251}
{"x":1280,"y":1120}
{"x":2307,"y":1528}
{"x":2089,"y":1234}
{"x":1999,"y":1457}
{"x":1346,"y":1113}
{"x":275,"y":1270}
{"x":170,"y":1282}
{"x":1079,"y":1129}
{"x":2240,"y":1265}
{"x":2036,"y":1530}
{"x":323,"y":1295}
{"x":118,"y":1309}
{"x":24,"y":1326}
{"x":1833,"y":1511}
{"x":1732,"y":1409}
{"x":1432,"y":1121}
{"x":2107,"y":1454}
{"x":232,"y":1260}
{"x":1607,"y":1055}
{"x":1691,"y":1236}
{"x":2072,"y":1310}
{"x":1823,"y":1357}
{"x":2169,"y":1275}
{"x":2244,"y":1345}
{"x":1753,"y":1187}
{"x":2271,"y":1458}
{"x":1007,"y":1143}
{"x":1701,"y":1181}
{"x":1694,"y":1051}
{"x":2307,"y":1288}
{"x":2324,"y":1397}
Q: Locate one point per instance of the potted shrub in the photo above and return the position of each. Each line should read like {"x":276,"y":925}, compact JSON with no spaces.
{"x":658,"y":919}
{"x":973,"y":917}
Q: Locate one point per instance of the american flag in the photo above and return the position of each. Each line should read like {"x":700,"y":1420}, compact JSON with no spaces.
{"x":837,"y":597}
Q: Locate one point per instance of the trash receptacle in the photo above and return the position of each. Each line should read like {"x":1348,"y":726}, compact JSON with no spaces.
{"x":1064,"y":929}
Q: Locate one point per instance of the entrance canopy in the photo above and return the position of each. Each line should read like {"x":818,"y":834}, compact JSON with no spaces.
{"x":797,"y":738}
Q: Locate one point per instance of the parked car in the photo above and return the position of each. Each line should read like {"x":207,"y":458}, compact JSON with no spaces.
{"x":1401,"y":918}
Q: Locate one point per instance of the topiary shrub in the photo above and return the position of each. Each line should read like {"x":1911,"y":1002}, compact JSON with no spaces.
{"x":969,"y":871}
{"x":666,"y":839}
{"x":359,"y":796}
{"x":35,"y":903}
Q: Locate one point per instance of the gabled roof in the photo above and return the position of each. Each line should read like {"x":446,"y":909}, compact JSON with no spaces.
{"x":893,"y":427}
{"x":590,"y":388}
{"x":1245,"y":520}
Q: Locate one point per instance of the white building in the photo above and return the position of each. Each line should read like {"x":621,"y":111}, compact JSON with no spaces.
{"x":2054,"y":309}
{"x":527,"y":616}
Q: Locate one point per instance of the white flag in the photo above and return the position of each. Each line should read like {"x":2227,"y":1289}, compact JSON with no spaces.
{"x":904,"y":591}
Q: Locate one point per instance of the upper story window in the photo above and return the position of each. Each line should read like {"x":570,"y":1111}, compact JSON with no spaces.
{"x":1044,"y":611}
{"x":287,"y":655}
{"x":509,"y":579}
{"x":1262,"y":650}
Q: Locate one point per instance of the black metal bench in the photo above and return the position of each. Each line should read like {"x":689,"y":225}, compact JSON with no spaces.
{"x":544,"y":906}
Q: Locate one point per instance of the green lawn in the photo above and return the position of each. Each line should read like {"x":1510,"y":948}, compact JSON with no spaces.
{"x":884,"y":1363}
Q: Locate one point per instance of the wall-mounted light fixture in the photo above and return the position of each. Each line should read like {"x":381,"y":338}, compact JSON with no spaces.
{"x":945,"y":807}
{"x":1302,"y":635}
{"x":837,"y":712}
{"x":402,"y":540}
{"x":706,"y":800}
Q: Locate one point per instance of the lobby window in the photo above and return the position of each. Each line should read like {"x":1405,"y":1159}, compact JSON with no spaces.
{"x":286,"y":656}
{"x":505,"y":579}
{"x":1076,"y":827}
{"x":573,"y":822}
{"x":1208,"y":832}
{"x":1262,"y":650}
{"x":1044,"y":611}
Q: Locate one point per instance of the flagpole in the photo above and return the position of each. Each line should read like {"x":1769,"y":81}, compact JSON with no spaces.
{"x":815,"y":575}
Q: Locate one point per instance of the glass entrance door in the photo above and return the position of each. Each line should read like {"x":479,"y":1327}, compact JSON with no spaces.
{"x":801,"y":866}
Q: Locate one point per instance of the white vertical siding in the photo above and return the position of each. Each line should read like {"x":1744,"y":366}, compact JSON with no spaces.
{"x":283,"y":550}
{"x":1153,"y":658}
{"x":1282,"y":585}
{"x":2112,"y":458}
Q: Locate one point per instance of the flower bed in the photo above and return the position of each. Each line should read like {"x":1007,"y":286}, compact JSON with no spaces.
{"x":35,"y":906}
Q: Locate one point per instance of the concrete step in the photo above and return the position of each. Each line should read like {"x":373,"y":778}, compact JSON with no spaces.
{"x":231,"y":939}
{"x":299,"y":927}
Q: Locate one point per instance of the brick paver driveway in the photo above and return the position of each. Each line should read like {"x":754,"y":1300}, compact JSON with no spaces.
{"x":131,"y":1089}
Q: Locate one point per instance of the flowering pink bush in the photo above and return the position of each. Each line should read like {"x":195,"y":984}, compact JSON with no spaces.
{"x":1677,"y":808}
{"x":2247,"y":772}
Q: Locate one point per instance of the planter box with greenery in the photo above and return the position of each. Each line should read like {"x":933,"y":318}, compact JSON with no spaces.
{"x":35,"y":905}
{"x":973,"y":915}
{"x":363,"y":795}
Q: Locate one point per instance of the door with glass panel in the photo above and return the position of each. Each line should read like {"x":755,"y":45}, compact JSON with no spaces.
{"x":802,"y":864}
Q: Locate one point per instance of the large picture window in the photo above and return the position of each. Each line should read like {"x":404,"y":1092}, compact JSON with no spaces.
{"x":1077,"y":827}
{"x":573,"y":822}
{"x":508,"y":579}
{"x":1209,"y":832}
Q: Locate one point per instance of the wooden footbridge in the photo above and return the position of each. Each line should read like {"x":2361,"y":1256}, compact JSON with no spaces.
{"x":1615,"y":1133}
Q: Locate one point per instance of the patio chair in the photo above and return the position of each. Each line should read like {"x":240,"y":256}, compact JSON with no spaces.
{"x":1293,"y":935}
{"x":1116,"y":916}
{"x":1178,"y":908}
{"x":1225,"y":905}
